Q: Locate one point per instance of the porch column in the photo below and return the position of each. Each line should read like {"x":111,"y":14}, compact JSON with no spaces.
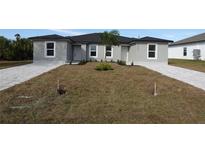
{"x":83,"y":48}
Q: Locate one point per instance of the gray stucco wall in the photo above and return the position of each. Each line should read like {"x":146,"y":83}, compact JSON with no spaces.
{"x":138,"y":53}
{"x":61,"y":51}
{"x":101,"y":53}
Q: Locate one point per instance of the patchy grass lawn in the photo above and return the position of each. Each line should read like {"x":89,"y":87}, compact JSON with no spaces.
{"x":197,"y":65}
{"x":122,"y":95}
{"x":7,"y":64}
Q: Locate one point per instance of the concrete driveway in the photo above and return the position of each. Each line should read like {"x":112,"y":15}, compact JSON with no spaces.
{"x":194,"y":78}
{"x":15,"y":75}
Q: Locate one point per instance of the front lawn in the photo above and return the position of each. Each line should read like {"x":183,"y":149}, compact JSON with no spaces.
{"x":7,"y":64}
{"x":197,"y":65}
{"x":121,"y":95}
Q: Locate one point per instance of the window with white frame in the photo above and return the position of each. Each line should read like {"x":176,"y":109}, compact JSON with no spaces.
{"x":152,"y":51}
{"x":50,"y":49}
{"x":185,"y":51}
{"x":93,"y":50}
{"x":108,"y":51}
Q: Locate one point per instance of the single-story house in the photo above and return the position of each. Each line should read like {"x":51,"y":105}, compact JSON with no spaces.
{"x":90,"y":47}
{"x":189,"y":48}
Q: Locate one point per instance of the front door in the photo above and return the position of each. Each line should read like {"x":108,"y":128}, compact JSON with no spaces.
{"x":77,"y":53}
{"x":124,"y":53}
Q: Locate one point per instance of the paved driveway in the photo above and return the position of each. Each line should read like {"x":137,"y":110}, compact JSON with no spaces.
{"x":194,"y":78}
{"x":15,"y":75}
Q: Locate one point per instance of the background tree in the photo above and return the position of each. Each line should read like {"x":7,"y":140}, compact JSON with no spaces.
{"x":19,"y":49}
{"x":110,"y":38}
{"x":17,"y":36}
{"x":4,"y":46}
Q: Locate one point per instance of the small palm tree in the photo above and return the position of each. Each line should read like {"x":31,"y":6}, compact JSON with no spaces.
{"x":110,"y":38}
{"x":18,"y":37}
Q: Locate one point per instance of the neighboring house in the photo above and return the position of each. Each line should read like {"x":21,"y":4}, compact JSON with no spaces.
{"x":89,"y":47}
{"x":189,"y":48}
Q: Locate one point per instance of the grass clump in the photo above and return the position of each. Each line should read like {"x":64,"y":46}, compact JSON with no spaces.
{"x":103,"y":66}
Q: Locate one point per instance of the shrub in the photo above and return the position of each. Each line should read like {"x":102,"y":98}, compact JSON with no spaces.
{"x":121,"y":62}
{"x":82,"y":62}
{"x":103,"y":67}
{"x":132,"y":64}
{"x":112,"y":61}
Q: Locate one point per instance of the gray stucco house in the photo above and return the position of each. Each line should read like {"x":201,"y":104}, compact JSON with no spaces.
{"x":89,"y":47}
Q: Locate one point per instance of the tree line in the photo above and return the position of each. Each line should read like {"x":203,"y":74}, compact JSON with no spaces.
{"x":18,"y":49}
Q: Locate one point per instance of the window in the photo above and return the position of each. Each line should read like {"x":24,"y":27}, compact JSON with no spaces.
{"x":152,"y":51}
{"x":93,"y":50}
{"x":50,"y":49}
{"x":185,"y":51}
{"x":108,"y":51}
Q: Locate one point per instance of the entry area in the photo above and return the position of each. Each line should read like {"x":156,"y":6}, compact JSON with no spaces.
{"x":124,"y":53}
{"x":77,"y":53}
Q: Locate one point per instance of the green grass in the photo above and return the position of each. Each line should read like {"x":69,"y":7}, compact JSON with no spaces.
{"x":197,"y":65}
{"x":123,"y":95}
{"x":7,"y":64}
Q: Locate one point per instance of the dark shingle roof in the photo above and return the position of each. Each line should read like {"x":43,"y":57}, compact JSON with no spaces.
{"x":96,"y":38}
{"x":153,"y":39}
{"x":48,"y":37}
{"x":193,"y":39}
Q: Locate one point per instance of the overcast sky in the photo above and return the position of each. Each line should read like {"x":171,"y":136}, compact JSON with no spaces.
{"x":172,"y":34}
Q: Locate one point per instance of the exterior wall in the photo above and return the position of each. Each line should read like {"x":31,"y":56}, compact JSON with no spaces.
{"x":177,"y":51}
{"x":138,"y":53}
{"x":61,"y":51}
{"x":84,"y":51}
{"x":69,"y":52}
{"x":64,"y":52}
{"x":101,"y":53}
